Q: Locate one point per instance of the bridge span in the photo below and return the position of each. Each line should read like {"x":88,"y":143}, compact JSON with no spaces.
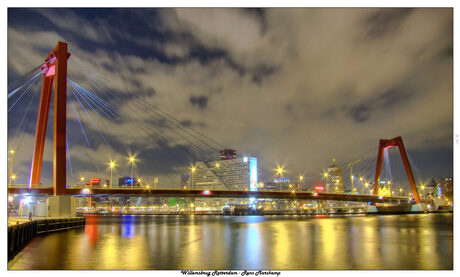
{"x":99,"y":192}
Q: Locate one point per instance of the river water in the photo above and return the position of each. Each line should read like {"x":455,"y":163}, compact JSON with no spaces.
{"x":413,"y":241}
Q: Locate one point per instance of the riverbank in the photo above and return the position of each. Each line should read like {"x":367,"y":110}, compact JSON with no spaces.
{"x":21,"y":230}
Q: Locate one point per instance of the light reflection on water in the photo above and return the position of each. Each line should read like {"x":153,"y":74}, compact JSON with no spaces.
{"x":422,"y":241}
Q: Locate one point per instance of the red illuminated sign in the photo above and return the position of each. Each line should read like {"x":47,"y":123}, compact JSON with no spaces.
{"x":95,"y":181}
{"x":320,"y":188}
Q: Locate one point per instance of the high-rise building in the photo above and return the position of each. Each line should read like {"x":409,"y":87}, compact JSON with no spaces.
{"x":446,"y":188}
{"x":226,"y":174}
{"x":128,"y":182}
{"x":227,"y":154}
{"x":334,"y":182}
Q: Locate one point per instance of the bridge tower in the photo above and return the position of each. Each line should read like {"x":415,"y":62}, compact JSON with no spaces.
{"x":54,"y":70}
{"x":387,"y":143}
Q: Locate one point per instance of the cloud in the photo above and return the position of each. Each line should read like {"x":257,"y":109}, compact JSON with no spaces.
{"x":292,"y":86}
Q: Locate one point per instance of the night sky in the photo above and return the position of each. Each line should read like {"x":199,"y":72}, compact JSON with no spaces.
{"x":293,"y":87}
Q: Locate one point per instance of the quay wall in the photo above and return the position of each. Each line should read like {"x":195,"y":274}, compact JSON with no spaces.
{"x":20,"y":234}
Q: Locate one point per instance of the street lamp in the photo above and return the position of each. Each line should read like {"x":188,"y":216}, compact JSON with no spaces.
{"x":112,"y":165}
{"x":193,"y":171}
{"x":132,"y":159}
{"x":366,"y":185}
{"x":82,"y":179}
{"x":300,"y":179}
{"x":280,"y":170}
{"x":13,"y":177}
{"x":11,"y":165}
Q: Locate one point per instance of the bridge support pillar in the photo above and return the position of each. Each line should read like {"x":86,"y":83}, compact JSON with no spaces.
{"x":55,"y":71}
{"x":61,"y":206}
{"x":371,"y":209}
{"x":395,"y":142}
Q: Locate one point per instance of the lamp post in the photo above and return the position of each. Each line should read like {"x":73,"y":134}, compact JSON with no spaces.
{"x":218,"y":173}
{"x":193,"y":183}
{"x":132,"y":159}
{"x":279,"y":171}
{"x":11,"y":165}
{"x":300,"y":179}
{"x":325,"y":181}
{"x":365,"y":185}
{"x":112,"y":165}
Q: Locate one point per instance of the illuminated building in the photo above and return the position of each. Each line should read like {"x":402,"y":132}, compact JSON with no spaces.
{"x":127,"y":182}
{"x":226,"y":174}
{"x":227,"y":154}
{"x":271,"y":186}
{"x":334,"y":181}
{"x":446,"y":189}
{"x":282,"y":182}
{"x":431,"y":189}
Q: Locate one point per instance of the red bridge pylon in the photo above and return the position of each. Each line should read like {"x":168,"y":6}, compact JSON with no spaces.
{"x":387,"y":143}
{"x":54,"y":69}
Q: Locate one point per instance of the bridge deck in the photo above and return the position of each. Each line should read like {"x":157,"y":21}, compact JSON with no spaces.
{"x":83,"y":192}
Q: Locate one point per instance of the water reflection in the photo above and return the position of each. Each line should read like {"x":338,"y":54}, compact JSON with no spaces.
{"x":246,"y":242}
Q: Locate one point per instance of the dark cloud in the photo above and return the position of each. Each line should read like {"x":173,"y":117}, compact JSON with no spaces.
{"x":360,"y":113}
{"x":385,"y":21}
{"x":262,"y":71}
{"x":200,"y":101}
{"x":388,"y":100}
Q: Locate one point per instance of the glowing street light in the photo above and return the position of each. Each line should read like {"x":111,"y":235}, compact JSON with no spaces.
{"x":112,"y":164}
{"x":300,"y":179}
{"x":11,"y":165}
{"x":280,"y":170}
{"x":217,"y":165}
{"x":366,"y":185}
{"x":132,"y":160}
{"x":193,"y":173}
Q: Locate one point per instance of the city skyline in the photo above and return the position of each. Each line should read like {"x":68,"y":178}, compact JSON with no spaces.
{"x":330,"y":87}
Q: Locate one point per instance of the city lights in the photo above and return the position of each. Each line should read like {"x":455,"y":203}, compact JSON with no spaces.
{"x":112,"y":165}
{"x":132,"y":160}
{"x":11,"y":167}
{"x":279,"y":170}
{"x":226,"y":112}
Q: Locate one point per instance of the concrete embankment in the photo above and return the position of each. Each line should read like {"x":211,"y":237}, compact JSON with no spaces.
{"x":20,"y":232}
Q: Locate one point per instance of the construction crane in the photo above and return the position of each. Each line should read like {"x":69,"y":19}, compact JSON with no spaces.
{"x":351,"y":164}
